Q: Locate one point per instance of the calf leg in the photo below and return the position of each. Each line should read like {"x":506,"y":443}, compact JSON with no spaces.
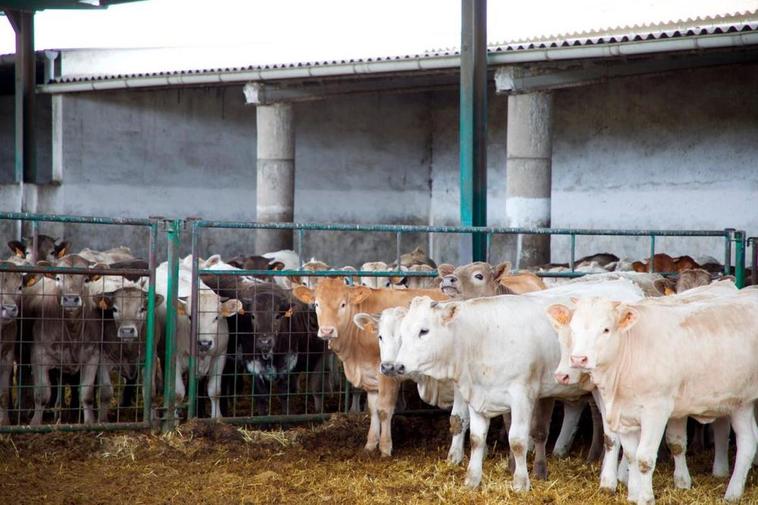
{"x":652,"y":426}
{"x":41,"y":391}
{"x":518,"y":437}
{"x":388,"y":396}
{"x":539,"y":430}
{"x":374,"y":428}
{"x":572,"y":411}
{"x":6,"y":368}
{"x":743,"y":423}
{"x":612,"y":444}
{"x":721,"y":430}
{"x":179,"y":385}
{"x":106,"y":392}
{"x":459,"y":422}
{"x":214,"y":384}
{"x":355,"y":402}
{"x":598,"y":441}
{"x":87,"y":387}
{"x":630,"y":442}
{"x":479,"y":427}
{"x":676,"y":439}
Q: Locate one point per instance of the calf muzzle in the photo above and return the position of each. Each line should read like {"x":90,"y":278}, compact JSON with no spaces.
{"x":387,"y":368}
{"x":71,"y":301}
{"x":327,"y":332}
{"x":204,"y":345}
{"x":579,"y":361}
{"x":128,"y":332}
{"x":561,"y":378}
{"x":9,"y":311}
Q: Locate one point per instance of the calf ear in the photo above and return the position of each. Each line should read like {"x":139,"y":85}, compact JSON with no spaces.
{"x":276,"y":265}
{"x":230,"y":308}
{"x":502,"y":269}
{"x":449,"y":311}
{"x":445,"y":269}
{"x":158,"y":299}
{"x":31,"y":279}
{"x":61,"y":248}
{"x":627,"y":317}
{"x":96,"y":277}
{"x":665,"y":286}
{"x":213,"y":260}
{"x":103,"y":302}
{"x":181,"y":307}
{"x":18,"y":248}
{"x":559,"y":315}
{"x":366,"y":322}
{"x":359,"y":294}
{"x":304,"y":294}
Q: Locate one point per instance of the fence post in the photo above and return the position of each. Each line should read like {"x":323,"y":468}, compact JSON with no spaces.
{"x":172,"y":291}
{"x":191,"y":371}
{"x":729,"y":234}
{"x":148,"y":378}
{"x":739,"y":258}
{"x":754,"y":260}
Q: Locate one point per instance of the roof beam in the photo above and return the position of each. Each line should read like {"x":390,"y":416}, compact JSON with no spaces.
{"x":513,"y":79}
{"x":263,"y":93}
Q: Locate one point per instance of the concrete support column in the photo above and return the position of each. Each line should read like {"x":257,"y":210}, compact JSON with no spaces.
{"x":528,"y":173}
{"x":275,"y":186}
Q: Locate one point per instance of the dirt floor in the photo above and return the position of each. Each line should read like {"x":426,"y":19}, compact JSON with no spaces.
{"x":323,"y":463}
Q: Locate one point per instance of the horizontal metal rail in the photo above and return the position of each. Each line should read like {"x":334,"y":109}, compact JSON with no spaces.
{"x":319,"y":273}
{"x":41,"y":269}
{"x":391,"y":228}
{"x":55,"y":218}
{"x":47,"y":428}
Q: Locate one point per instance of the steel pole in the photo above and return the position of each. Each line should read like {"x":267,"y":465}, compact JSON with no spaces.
{"x":739,"y":259}
{"x":172,"y":291}
{"x":148,"y":377}
{"x":191,"y":372}
{"x":473,"y":122}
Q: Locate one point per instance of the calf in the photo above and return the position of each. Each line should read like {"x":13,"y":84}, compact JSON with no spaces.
{"x":336,"y":304}
{"x":687,"y":279}
{"x":418,"y":282}
{"x":376,"y":282}
{"x":67,"y":337}
{"x":109,"y":257}
{"x":123,"y":343}
{"x":48,"y":248}
{"x":664,"y":263}
{"x":11,"y":284}
{"x":481,"y":279}
{"x":625,"y":349}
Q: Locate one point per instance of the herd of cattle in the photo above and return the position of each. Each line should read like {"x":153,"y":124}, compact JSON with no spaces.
{"x":644,"y":351}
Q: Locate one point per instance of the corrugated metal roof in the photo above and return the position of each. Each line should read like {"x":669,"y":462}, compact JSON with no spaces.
{"x":733,"y":23}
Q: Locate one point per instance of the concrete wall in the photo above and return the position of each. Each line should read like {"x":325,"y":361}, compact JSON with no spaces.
{"x":671,"y":151}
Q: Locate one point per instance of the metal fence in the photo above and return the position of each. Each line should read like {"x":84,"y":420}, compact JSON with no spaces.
{"x":68,"y":359}
{"x":233,"y":348}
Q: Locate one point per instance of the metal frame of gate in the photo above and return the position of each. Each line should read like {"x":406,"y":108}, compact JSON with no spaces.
{"x":149,"y":353}
{"x":734,"y":242}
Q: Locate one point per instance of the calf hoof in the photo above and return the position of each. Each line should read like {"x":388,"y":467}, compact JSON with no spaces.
{"x":455,"y":456}
{"x":520,"y":484}
{"x":607,"y":488}
{"x":540,"y":470}
{"x":682,"y":481}
{"x":386,"y":453}
{"x":595,"y":454}
{"x":721,"y":471}
{"x":561,"y":452}
{"x":650,"y":500}
{"x":472,"y":481}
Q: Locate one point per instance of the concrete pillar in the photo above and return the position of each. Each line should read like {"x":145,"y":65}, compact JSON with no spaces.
{"x":275,"y":186}
{"x":528,"y":173}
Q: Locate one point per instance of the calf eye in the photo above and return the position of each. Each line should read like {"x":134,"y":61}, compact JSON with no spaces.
{"x":343,"y":305}
{"x":479,"y":276}
{"x":423,"y":332}
{"x":606,"y":330}
{"x":215,"y":318}
{"x":115,"y":309}
{"x":315,"y":304}
{"x":143,"y":309}
{"x":380,"y":338}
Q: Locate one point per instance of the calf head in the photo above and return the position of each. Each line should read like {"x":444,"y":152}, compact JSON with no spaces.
{"x":48,"y":248}
{"x":128,"y":307}
{"x":375,"y":282}
{"x":686,"y":280}
{"x":597,"y":327}
{"x":71,"y":290}
{"x":269,"y":311}
{"x":427,"y":339}
{"x":474,"y":280}
{"x":335,"y":304}
{"x":212,"y":311}
{"x":314,"y":266}
{"x":386,"y":327}
{"x":560,"y":316}
{"x":11,"y":284}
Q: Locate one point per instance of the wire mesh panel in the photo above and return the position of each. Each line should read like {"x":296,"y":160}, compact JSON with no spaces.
{"x":78,"y":331}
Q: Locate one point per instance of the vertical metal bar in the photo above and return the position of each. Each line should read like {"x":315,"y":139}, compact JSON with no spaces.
{"x":739,"y":259}
{"x":489,"y":247}
{"x":192,"y":365}
{"x":473,"y":121}
{"x":651,"y":261}
{"x":754,"y":262}
{"x":148,"y":379}
{"x":25,"y":70}
{"x":300,"y":236}
{"x":398,"y":237}
{"x":572,"y":260}
{"x":169,"y":379}
{"x":729,"y":235}
{"x":35,"y":241}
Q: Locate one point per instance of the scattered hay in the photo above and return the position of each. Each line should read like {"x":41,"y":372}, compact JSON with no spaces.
{"x":216,"y":463}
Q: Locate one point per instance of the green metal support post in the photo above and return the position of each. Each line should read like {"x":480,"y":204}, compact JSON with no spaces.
{"x":148,"y":377}
{"x":473,"y":121}
{"x":739,"y":259}
{"x":172,"y":290}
